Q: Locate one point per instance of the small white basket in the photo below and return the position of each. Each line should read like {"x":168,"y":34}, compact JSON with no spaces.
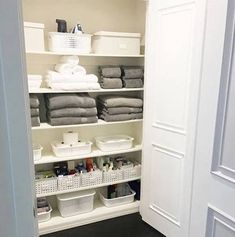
{"x":69,"y":43}
{"x":112,"y":176}
{"x":44,"y":216}
{"x":46,"y":186}
{"x":68,"y":182}
{"x":130,"y":173}
{"x":91,"y":178}
{"x":37,"y":151}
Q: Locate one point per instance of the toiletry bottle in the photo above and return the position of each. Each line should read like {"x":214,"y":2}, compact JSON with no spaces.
{"x":62,"y":26}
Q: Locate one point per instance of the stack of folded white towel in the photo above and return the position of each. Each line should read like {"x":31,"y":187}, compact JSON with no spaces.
{"x":69,"y":75}
{"x":34,"y":81}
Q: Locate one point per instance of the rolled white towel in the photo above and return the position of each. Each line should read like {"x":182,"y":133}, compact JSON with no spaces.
{"x":73,"y":60}
{"x":78,"y":70}
{"x":64,"y":68}
{"x":91,"y":77}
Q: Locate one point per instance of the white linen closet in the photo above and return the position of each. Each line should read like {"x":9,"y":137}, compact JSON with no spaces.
{"x":164,"y":139}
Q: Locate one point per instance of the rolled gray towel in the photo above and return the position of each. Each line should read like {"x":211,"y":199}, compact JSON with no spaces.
{"x":132,"y":72}
{"x":120,"y":101}
{"x":35,"y":121}
{"x":72,"y":120}
{"x":72,"y":112}
{"x":132,"y":83}
{"x":34,"y":101}
{"x":120,"y":117}
{"x":110,"y":71}
{"x":34,"y":112}
{"x":60,"y":101}
{"x":120,"y":110}
{"x":110,"y":83}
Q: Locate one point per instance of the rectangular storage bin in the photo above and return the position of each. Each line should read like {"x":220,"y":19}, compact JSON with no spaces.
{"x":44,"y":216}
{"x":112,"y":176}
{"x":37,"y":152}
{"x":91,"y":178}
{"x":131,"y":173}
{"x":46,"y":186}
{"x":114,"y":143}
{"x":69,"y":43}
{"x":63,"y":150}
{"x":105,"y":42}
{"x":71,"y":204}
{"x":69,"y":182}
{"x":34,"y":36}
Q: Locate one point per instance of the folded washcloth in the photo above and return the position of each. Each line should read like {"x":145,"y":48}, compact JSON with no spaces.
{"x":60,"y":101}
{"x":34,"y":112}
{"x":35,"y":121}
{"x":120,"y":117}
{"x":72,"y":112}
{"x":72,"y":120}
{"x":72,"y":60}
{"x":132,"y":72}
{"x":132,"y":83}
{"x":119,"y":101}
{"x":110,"y":83}
{"x":34,"y":101}
{"x":119,"y":110}
{"x":110,"y":71}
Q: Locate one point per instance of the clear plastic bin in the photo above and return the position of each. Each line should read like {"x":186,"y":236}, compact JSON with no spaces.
{"x":44,"y":216}
{"x":37,"y":151}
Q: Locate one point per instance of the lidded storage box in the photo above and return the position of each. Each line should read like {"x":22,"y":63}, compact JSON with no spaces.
{"x":34,"y":36}
{"x":105,"y":42}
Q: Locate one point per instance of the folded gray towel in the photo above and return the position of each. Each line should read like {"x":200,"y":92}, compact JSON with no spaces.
{"x":119,"y":101}
{"x":34,"y":112}
{"x":72,"y":112}
{"x":72,"y":120}
{"x":132,"y":72}
{"x":120,"y":117}
{"x":110,"y":71}
{"x":60,"y":101}
{"x":132,"y":83}
{"x":110,"y":83}
{"x":35,"y":121}
{"x":34,"y":101}
{"x":119,"y":110}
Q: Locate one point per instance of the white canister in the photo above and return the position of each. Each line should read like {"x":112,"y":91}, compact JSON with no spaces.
{"x":70,"y":137}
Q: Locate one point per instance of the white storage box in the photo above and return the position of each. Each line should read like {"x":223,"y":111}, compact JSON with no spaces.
{"x":114,"y":143}
{"x":71,"y":204}
{"x":46,"y":186}
{"x":34,"y":36}
{"x":69,"y":43}
{"x":34,"y":81}
{"x":105,"y":42}
{"x":68,"y":182}
{"x":131,"y":173}
{"x":112,"y":176}
{"x":91,"y":178}
{"x":37,"y":152}
{"x":117,"y":201}
{"x":44,"y":216}
{"x":64,"y":150}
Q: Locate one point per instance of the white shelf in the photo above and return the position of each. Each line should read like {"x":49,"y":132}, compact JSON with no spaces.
{"x":51,"y":158}
{"x":85,"y":55}
{"x":100,"y":122}
{"x":89,"y":187}
{"x":100,"y":212}
{"x":47,"y":90}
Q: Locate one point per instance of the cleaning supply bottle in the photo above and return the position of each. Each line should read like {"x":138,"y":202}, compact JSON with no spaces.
{"x":77,"y":29}
{"x":62,"y":26}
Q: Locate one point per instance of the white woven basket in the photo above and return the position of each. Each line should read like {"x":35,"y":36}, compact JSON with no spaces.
{"x":46,"y":186}
{"x":91,"y":178}
{"x":130,"y":173}
{"x":112,"y":176}
{"x":69,"y":182}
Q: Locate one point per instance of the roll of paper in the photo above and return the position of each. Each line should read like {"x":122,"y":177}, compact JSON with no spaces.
{"x":70,"y":137}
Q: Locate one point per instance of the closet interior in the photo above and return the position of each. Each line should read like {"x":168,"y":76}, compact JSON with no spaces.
{"x":94,"y":16}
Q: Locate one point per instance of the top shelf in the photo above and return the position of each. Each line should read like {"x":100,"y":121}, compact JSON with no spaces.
{"x":84,"y":55}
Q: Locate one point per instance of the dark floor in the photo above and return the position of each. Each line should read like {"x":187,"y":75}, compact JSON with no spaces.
{"x":125,"y":226}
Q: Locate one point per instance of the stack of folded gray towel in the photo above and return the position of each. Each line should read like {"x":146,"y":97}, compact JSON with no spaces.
{"x":132,"y":76}
{"x":67,"y":109}
{"x":119,"y":108}
{"x":34,"y":110}
{"x":110,"y":77}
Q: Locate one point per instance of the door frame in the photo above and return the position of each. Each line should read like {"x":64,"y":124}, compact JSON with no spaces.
{"x":16,"y":163}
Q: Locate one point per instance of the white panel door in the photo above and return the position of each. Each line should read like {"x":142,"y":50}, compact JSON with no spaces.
{"x":213,"y":206}
{"x":175,"y":30}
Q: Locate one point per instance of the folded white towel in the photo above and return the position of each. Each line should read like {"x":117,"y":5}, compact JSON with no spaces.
{"x":91,"y":77}
{"x":72,"y":60}
{"x":64,"y":68}
{"x":77,"y":69}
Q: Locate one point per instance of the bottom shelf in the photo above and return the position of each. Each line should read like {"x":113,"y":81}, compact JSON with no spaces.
{"x":100,"y":212}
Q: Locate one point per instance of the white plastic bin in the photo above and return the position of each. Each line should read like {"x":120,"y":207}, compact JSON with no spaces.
{"x":131,"y":173}
{"x":112,"y":176}
{"x":34,"y":36}
{"x":64,"y":150}
{"x":44,"y":216}
{"x":46,"y":186}
{"x":69,"y":43}
{"x":105,"y":42}
{"x":37,"y":152}
{"x":91,"y":178}
{"x":114,"y":143}
{"x":68,"y":182}
{"x":71,"y":204}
